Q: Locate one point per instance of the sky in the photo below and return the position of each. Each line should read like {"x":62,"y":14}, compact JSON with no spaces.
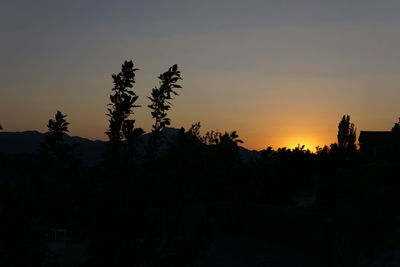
{"x":280,"y":73}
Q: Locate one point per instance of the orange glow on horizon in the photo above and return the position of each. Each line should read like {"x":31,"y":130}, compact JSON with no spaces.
{"x":290,"y":143}
{"x":306,"y":146}
{"x":308,"y":141}
{"x":290,"y":138}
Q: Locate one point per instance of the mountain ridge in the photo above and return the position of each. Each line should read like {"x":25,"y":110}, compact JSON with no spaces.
{"x":88,"y":150}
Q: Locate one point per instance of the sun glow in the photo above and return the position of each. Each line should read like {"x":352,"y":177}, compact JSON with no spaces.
{"x":299,"y":142}
{"x":306,"y":145}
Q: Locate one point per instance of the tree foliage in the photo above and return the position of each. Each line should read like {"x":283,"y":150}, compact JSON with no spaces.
{"x":160,"y":104}
{"x":346,"y":134}
{"x":122,"y":132}
{"x":160,"y":97}
{"x":228,"y":139}
{"x":396,"y":127}
{"x":59,"y":126}
{"x":121,"y":128}
{"x":222,"y":139}
{"x":54,"y":145}
{"x":210,"y":137}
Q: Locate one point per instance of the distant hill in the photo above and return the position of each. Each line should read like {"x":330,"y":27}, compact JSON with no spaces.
{"x":89,"y":151}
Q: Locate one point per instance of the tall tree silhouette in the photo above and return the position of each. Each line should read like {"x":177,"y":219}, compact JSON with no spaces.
{"x":160,"y":104}
{"x":160,"y":97}
{"x":121,"y":128}
{"x":346,"y":133}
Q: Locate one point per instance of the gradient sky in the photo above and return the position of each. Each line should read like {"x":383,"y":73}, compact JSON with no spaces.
{"x":279,"y":72}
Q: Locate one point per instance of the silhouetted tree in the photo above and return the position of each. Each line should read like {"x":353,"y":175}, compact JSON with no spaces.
{"x":396,"y":127}
{"x":186,"y":149}
{"x":225,"y":145}
{"x":322,"y":150}
{"x":210,"y":137}
{"x":346,"y":134}
{"x":160,"y":104}
{"x":230,"y":139}
{"x":121,"y":128}
{"x":54,"y":145}
{"x":266,"y":154}
{"x":217,"y":138}
{"x":160,"y":97}
{"x":195,"y":130}
{"x":395,"y":149}
{"x":59,"y":126}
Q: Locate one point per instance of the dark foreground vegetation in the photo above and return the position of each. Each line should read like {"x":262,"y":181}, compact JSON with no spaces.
{"x":192,"y":200}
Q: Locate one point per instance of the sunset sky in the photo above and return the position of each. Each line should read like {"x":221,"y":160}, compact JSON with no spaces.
{"x":279,"y":72}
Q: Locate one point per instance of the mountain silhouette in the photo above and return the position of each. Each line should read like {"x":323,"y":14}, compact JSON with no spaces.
{"x":89,"y":151}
